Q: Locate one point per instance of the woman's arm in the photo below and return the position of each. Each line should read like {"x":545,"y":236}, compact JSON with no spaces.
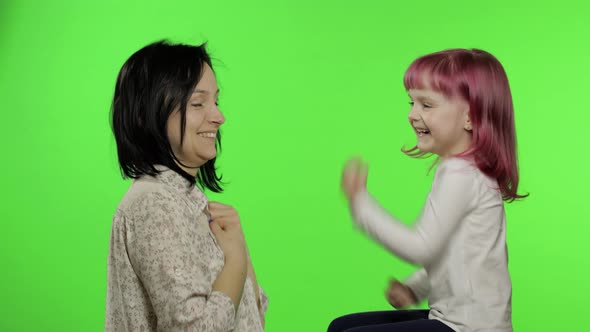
{"x":252,"y":275}
{"x":231,"y":280}
{"x":261,"y":298}
{"x":225,"y":224}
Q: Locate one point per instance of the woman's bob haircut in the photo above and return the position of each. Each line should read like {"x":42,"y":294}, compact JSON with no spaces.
{"x":154,"y":82}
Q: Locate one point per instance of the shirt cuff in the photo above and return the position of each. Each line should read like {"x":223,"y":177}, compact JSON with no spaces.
{"x":226,"y":311}
{"x":263,"y":301}
{"x":419,"y":284}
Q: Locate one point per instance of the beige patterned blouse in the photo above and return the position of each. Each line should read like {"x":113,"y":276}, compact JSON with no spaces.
{"x":163,"y":260}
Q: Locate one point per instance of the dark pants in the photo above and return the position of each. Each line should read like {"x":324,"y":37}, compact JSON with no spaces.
{"x":388,"y":321}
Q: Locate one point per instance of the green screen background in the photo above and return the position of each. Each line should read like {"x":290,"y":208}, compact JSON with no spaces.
{"x":305,"y":84}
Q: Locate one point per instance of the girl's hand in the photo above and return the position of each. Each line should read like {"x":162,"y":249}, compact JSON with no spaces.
{"x":354,"y":177}
{"x":400,"y":295}
{"x":227,"y":229}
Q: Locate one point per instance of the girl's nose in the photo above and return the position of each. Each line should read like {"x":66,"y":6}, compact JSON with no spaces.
{"x":413,"y":115}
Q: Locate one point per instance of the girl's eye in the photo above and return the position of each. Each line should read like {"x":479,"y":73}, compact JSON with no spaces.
{"x":411,"y":103}
{"x":427,"y":105}
{"x":197,"y":105}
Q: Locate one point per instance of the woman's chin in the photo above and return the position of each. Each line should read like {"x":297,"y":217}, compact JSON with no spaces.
{"x":205,"y":157}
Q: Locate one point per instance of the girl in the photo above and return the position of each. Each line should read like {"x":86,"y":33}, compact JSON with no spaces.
{"x":176,"y":261}
{"x":462,"y":112}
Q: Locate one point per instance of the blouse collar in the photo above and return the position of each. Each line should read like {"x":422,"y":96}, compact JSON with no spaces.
{"x":182,"y":185}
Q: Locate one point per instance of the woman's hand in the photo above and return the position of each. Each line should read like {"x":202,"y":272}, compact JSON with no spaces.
{"x":354,"y":177}
{"x":227,"y":229}
{"x":400,"y":295}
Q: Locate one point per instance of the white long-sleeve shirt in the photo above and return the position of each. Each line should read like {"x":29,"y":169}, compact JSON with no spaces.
{"x":460,"y":240}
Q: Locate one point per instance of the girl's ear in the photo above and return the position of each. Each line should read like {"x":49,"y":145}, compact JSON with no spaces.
{"x":467,"y":124}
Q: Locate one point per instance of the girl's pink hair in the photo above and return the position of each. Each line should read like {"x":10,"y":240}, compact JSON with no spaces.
{"x":479,"y":78}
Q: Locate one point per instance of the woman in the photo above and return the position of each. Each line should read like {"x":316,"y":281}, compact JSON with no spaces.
{"x":176,"y":261}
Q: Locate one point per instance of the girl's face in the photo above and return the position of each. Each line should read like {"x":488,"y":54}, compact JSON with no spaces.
{"x":441,"y":123}
{"x":203,"y":120}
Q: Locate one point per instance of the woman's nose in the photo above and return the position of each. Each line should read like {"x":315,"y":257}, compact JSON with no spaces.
{"x":217,"y":117}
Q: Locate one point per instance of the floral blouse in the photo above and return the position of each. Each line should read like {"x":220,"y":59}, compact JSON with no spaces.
{"x":163,"y":260}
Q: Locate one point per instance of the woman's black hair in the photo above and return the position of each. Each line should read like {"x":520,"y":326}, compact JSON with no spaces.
{"x":155,"y":81}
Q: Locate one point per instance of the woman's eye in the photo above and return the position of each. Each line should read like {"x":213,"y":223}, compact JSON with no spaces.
{"x":427,"y":105}
{"x":411,"y":103}
{"x":197,"y":104}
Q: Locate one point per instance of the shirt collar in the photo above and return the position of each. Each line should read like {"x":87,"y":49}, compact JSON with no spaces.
{"x":181,"y":184}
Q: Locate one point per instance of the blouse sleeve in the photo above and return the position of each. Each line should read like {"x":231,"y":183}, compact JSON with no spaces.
{"x":263,"y":301}
{"x":163,"y":247}
{"x":449,"y":201}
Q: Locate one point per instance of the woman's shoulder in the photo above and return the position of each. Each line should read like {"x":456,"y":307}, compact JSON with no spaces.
{"x":150,"y":207}
{"x":146,"y":194}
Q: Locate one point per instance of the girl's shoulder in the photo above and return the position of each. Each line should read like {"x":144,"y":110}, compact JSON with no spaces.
{"x":463,"y":167}
{"x":467,"y":168}
{"x":456,"y":165}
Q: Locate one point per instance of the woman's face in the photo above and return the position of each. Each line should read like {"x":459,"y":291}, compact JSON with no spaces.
{"x":203,"y":120}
